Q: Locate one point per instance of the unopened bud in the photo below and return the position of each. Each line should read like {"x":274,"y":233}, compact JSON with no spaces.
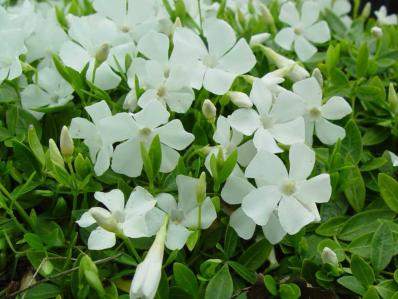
{"x":318,"y":76}
{"x":377,"y":32}
{"x":104,"y":219}
{"x":367,"y":9}
{"x":393,"y":99}
{"x":328,"y":256}
{"x":267,"y":16}
{"x":102,"y":54}
{"x":259,"y":38}
{"x":130,"y":102}
{"x":240,"y":99}
{"x":201,"y":188}
{"x":177,"y":23}
{"x":66,"y":143}
{"x":209,"y":110}
{"x":55,"y":154}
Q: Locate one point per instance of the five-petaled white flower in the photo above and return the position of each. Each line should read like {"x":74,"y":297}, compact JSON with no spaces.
{"x":385,"y":19}
{"x":317,"y":115}
{"x":304,"y":29}
{"x":290,"y":193}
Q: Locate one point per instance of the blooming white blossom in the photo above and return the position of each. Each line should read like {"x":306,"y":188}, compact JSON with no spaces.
{"x":12,"y":47}
{"x":303,"y":31}
{"x":341,"y":8}
{"x":274,"y":120}
{"x":317,"y":115}
{"x":290,"y":193}
{"x":137,"y":218}
{"x":184,"y":213}
{"x":148,"y":273}
{"x":96,"y":42}
{"x":50,"y":91}
{"x":385,"y":19}
{"x":217,"y":65}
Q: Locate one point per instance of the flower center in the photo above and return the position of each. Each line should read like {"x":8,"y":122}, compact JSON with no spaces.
{"x":166,"y":72}
{"x":314,"y":113}
{"x":298,"y":30}
{"x":145,"y":132}
{"x":267,"y":121}
{"x":288,"y":187}
{"x":210,"y":61}
{"x":125,"y":28}
{"x":119,"y":216}
{"x":161,"y":91}
{"x":177,"y":216}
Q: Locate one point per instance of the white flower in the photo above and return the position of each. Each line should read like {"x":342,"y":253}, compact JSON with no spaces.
{"x":385,"y":19}
{"x":96,"y":44}
{"x":275,"y":120}
{"x":217,"y":65}
{"x":142,"y":127}
{"x":394,"y":159}
{"x":289,"y":193}
{"x":341,"y":8}
{"x":208,"y":9}
{"x":166,"y":80}
{"x":11,"y":48}
{"x":317,"y":115}
{"x":303,"y":30}
{"x":51,"y":90}
{"x":184,"y":214}
{"x":138,"y":218}
{"x":148,"y":273}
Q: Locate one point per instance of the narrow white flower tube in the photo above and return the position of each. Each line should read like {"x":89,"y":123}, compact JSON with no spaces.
{"x":329,"y":256}
{"x":259,"y":38}
{"x":147,"y":275}
{"x":240,"y":99}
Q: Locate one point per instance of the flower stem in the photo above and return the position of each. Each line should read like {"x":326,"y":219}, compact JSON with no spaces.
{"x":131,"y":247}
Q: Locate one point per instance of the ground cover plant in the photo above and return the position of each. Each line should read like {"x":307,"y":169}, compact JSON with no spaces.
{"x":198,"y":149}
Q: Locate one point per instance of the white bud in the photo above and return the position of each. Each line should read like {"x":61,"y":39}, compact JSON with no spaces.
{"x":367,"y":9}
{"x":130,"y":101}
{"x":318,"y":76}
{"x":377,"y":32}
{"x":104,"y":219}
{"x":328,"y":256}
{"x":148,"y":273}
{"x":102,"y":54}
{"x":240,"y":99}
{"x":66,"y":143}
{"x":55,"y":154}
{"x":266,"y":14}
{"x":209,"y":110}
{"x":259,"y":38}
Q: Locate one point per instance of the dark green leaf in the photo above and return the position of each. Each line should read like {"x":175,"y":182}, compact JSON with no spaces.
{"x":362,"y":271}
{"x":185,"y":279}
{"x":382,"y":249}
{"x":389,"y":191}
{"x":220,"y":286}
{"x":256,"y":255}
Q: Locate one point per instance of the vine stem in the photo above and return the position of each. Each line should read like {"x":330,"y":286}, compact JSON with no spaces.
{"x":131,"y":247}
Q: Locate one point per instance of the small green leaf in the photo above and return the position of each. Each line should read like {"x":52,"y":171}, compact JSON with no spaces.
{"x":42,"y":291}
{"x":371,"y":293}
{"x":35,"y":145}
{"x":352,"y":143}
{"x":362,"y":60}
{"x":147,"y":163}
{"x":351,"y":283}
{"x":389,"y":191}
{"x":332,"y":226}
{"x":230,"y":242}
{"x":220,"y":286}
{"x":245,"y":273}
{"x":387,"y":288}
{"x":382,"y":249}
{"x":256,"y":255}
{"x":354,"y":187}
{"x":362,"y":271}
{"x":155,"y":153}
{"x":271,"y":285}
{"x":185,"y":279}
{"x":34,"y":241}
{"x":228,"y":166}
{"x":289,"y":291}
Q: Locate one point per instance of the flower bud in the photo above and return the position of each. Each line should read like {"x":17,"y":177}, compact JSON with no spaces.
{"x":240,"y":99}
{"x":130,"y":102}
{"x":104,"y":219}
{"x":55,"y":155}
{"x":328,"y":256}
{"x":259,"y":38}
{"x":377,"y":32}
{"x":209,"y":110}
{"x":102,"y":54}
{"x":66,"y":143}
{"x":318,"y":76}
{"x":267,"y":16}
{"x":393,"y":99}
{"x":201,"y":188}
{"x":367,"y":9}
{"x":148,"y":273}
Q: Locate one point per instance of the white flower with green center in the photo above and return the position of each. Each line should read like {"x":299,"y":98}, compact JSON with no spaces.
{"x":164,"y":79}
{"x":142,"y":127}
{"x":136,"y":219}
{"x":51,"y":90}
{"x":12,"y":47}
{"x":304,"y":29}
{"x":274,"y":120}
{"x":216,"y":65}
{"x":384,"y":19}
{"x":317,"y":114}
{"x":184,"y":213}
{"x":96,"y":42}
{"x":290,"y":193}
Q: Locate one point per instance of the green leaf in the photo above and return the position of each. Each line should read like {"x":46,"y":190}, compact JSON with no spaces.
{"x":362,"y":60}
{"x":387,"y":288}
{"x":382,"y":249}
{"x":220,"y":286}
{"x":354,"y":187}
{"x":352,"y":143}
{"x":147,"y":163}
{"x":332,"y":227}
{"x":185,"y":279}
{"x":256,"y":255}
{"x":271,"y":285}
{"x":289,"y":291}
{"x":389,"y":191}
{"x":34,"y":241}
{"x":351,"y":283}
{"x":228,"y":166}
{"x":362,"y":271}
{"x":42,"y":291}
{"x":371,"y":293}
{"x":230,"y":242}
{"x":245,"y":273}
{"x":155,"y":153}
{"x":35,"y":145}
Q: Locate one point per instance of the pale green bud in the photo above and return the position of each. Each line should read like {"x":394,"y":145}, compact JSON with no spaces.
{"x":367,"y":9}
{"x":267,"y":16}
{"x":102,"y":54}
{"x":201,"y":188}
{"x":209,"y":110}
{"x":393,"y":99}
{"x":240,"y":99}
{"x":55,"y":154}
{"x":377,"y":32}
{"x":66,"y":143}
{"x":105,"y":219}
{"x":328,"y":256}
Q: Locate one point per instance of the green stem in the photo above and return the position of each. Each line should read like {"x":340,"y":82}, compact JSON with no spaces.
{"x":131,"y":247}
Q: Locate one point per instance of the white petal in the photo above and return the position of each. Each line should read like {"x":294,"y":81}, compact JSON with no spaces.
{"x":74,"y":56}
{"x":260,"y":203}
{"x":139,"y":202}
{"x":116,"y":128}
{"x":220,"y":36}
{"x":318,"y":33}
{"x":335,"y":108}
{"x":239,"y":60}
{"x":310,"y":91}
{"x":86,"y":220}
{"x":100,"y":239}
{"x":235,"y":189}
{"x":115,"y":10}
{"x":152,"y":115}
{"x":273,"y":230}
{"x":287,"y":107}
{"x":188,"y":42}
{"x":173,"y":135}
{"x":261,"y":96}
{"x":81,"y":128}
{"x":268,"y":167}
{"x":207,"y":217}
{"x":98,"y":111}
{"x":105,"y":77}
{"x":302,"y":161}
{"x":263,"y":140}
{"x":177,"y":236}
{"x":127,"y":158}
{"x":113,"y":200}
{"x":223,"y":131}
{"x":242,"y":224}
{"x":246,"y":153}
{"x":293,"y":216}
{"x":170,"y":159}
{"x":304,"y":49}
{"x":289,"y":14}
{"x":166,"y":202}
{"x":285,"y":38}
{"x":316,"y":189}
{"x":309,"y":13}
{"x":186,"y":192}
{"x":103,"y":160}
{"x":244,"y":120}
{"x":154,"y":46}
{"x":218,"y":81}
{"x":327,"y":132}
{"x":180,"y":101}
{"x":290,"y":132}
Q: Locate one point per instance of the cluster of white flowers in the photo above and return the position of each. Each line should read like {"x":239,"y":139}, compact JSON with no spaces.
{"x":166,"y":66}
